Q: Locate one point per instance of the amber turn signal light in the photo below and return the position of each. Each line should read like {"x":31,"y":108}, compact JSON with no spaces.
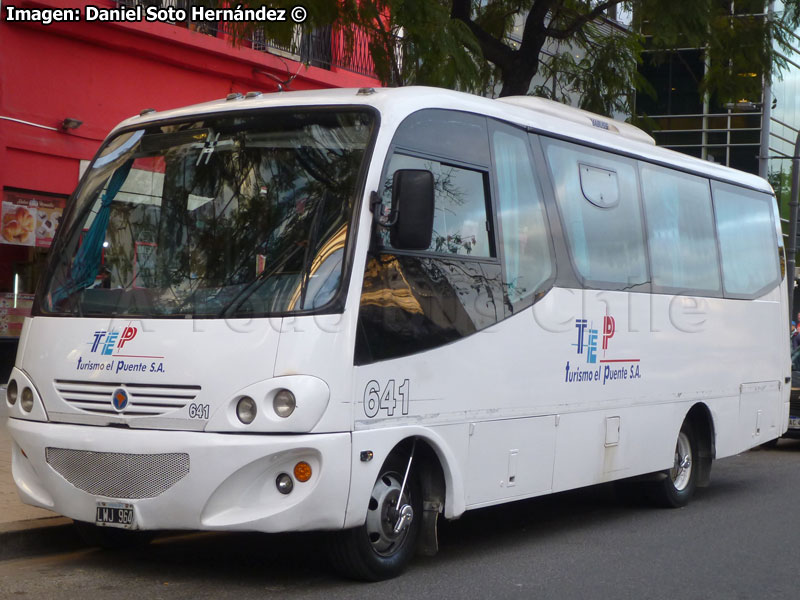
{"x":302,"y":471}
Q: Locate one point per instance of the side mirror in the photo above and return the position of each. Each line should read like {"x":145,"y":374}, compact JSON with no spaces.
{"x":412,"y":207}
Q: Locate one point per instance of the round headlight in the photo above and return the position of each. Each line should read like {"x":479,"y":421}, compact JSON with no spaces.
{"x":246,"y":410}
{"x":284,"y":483}
{"x":27,"y":399}
{"x":284,"y":403}
{"x":11,"y":392}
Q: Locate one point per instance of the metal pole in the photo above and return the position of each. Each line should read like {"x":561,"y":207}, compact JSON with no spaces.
{"x":793,"y":215}
{"x":766,"y":111}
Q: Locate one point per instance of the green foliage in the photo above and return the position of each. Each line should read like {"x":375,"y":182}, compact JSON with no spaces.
{"x":556,"y":48}
{"x":416,"y":42}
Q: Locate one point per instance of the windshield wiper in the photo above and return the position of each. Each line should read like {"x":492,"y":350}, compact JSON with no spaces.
{"x":253,"y":286}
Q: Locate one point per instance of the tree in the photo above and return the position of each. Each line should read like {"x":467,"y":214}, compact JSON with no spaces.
{"x":497,"y":47}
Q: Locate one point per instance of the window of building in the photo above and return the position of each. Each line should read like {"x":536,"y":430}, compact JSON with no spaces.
{"x":526,"y":248}
{"x":744,"y":224}
{"x":606,"y":242}
{"x":680,"y":231}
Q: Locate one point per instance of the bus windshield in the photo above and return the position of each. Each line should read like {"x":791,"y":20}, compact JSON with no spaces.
{"x":241,"y":215}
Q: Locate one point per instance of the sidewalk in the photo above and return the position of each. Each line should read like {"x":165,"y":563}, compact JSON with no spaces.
{"x":25,"y":530}
{"x":11,"y":508}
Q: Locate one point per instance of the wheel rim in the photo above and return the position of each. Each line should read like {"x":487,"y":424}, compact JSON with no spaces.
{"x":382,"y":514}
{"x":681,"y":471}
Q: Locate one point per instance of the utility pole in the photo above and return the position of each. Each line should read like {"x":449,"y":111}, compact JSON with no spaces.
{"x":791,"y":251}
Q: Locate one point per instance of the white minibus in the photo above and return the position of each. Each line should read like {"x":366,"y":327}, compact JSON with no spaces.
{"x":364,"y":310}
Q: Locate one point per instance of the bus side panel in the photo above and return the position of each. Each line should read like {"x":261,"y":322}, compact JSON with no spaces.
{"x":493,"y":376}
{"x":587,"y":454}
{"x":510,"y":459}
{"x":321,"y":346}
{"x":614,"y":372}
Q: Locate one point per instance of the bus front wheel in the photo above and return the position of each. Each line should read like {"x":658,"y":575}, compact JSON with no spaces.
{"x":383,"y":546}
{"x":677,"y":487}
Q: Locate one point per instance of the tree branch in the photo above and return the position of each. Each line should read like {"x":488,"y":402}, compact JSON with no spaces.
{"x":494,"y":50}
{"x":389,"y":41}
{"x":580,"y":21}
{"x":533,"y":34}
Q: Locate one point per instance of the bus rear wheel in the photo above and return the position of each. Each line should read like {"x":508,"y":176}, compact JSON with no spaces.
{"x":677,"y":487}
{"x":377,"y":550}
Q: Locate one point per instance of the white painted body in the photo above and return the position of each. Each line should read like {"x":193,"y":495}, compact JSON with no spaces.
{"x":495,"y":406}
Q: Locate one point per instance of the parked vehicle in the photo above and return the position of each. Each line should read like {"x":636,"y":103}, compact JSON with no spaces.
{"x":364,"y":310}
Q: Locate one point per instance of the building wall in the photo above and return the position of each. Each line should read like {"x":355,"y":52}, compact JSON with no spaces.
{"x":784,"y":121}
{"x":684,"y":119}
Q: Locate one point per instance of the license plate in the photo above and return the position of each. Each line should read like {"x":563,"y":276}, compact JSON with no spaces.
{"x":794,"y":422}
{"x":115,"y":514}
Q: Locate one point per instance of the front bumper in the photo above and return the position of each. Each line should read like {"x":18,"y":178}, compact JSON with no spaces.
{"x":227,"y":481}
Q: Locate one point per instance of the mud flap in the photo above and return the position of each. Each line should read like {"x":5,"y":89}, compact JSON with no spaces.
{"x":428,"y":541}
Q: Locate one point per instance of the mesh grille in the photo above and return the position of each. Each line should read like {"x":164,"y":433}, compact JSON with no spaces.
{"x":116,"y":475}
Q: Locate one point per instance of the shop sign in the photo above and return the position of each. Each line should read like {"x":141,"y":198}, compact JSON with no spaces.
{"x":28,"y":219}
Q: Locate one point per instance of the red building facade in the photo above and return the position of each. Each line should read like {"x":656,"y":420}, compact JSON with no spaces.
{"x":63,"y":86}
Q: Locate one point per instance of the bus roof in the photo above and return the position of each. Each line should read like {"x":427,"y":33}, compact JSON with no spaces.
{"x":546,"y":116}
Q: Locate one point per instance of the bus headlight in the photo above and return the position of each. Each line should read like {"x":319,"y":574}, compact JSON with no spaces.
{"x":27,"y":400}
{"x":284,"y":403}
{"x":22,"y":399}
{"x":289,"y":403}
{"x":11,"y":392}
{"x":246,"y":410}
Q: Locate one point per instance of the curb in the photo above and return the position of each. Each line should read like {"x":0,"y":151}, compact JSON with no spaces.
{"x":20,"y":539}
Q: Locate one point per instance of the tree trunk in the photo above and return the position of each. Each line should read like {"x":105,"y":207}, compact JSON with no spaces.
{"x":517,"y":79}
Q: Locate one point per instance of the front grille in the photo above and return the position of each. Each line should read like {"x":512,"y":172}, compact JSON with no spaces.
{"x":117,"y":475}
{"x":144,"y":400}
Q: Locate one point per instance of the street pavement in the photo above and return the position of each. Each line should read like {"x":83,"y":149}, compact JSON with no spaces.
{"x":735,"y":541}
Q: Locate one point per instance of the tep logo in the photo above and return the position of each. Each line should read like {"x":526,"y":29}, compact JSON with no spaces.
{"x":106,"y":342}
{"x":587,"y":337}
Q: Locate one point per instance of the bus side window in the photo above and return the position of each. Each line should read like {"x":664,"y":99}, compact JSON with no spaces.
{"x":605,"y":237}
{"x":526,"y":247}
{"x":680,"y":232}
{"x":744,"y":221}
{"x":460,"y":224}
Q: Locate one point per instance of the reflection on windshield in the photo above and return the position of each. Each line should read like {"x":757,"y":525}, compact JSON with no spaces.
{"x":244,"y":215}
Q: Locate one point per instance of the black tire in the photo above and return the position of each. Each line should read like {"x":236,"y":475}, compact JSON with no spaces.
{"x":677,"y":487}
{"x":372,"y":552}
{"x":771,"y":444}
{"x":112,"y":538}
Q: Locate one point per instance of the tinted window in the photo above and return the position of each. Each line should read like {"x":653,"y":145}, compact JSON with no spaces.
{"x":680,"y":230}
{"x":606,"y":242}
{"x":460,"y":224}
{"x":747,"y":240}
{"x":525,"y":243}
{"x":413,"y":303}
{"x":446,"y":133}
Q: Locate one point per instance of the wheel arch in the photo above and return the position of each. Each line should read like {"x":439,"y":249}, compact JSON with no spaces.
{"x":441,"y":478}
